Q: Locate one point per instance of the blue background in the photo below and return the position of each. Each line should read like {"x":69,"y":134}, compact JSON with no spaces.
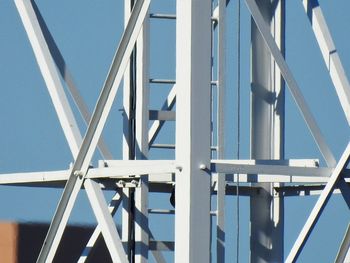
{"x":87,"y":33}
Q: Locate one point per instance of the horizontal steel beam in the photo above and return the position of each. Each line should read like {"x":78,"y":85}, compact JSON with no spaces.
{"x":233,"y":167}
{"x":163,"y":170}
{"x":158,"y":170}
{"x":303,"y":190}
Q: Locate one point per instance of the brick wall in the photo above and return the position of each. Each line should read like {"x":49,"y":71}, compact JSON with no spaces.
{"x":21,"y":242}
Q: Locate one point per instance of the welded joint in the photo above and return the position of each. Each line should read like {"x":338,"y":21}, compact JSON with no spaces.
{"x":79,"y":173}
{"x":134,"y":183}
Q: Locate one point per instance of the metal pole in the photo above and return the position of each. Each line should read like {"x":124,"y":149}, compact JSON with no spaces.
{"x":141,"y":142}
{"x":267,"y":135}
{"x":193,"y":64}
{"x":128,"y":140}
{"x":221,"y":182}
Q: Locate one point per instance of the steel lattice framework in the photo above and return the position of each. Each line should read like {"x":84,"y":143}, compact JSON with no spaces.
{"x":195,"y":172}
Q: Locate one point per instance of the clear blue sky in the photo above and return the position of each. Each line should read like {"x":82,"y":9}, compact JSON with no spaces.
{"x":87,"y":33}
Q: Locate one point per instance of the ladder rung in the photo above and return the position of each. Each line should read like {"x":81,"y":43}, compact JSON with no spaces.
{"x":161,"y":211}
{"x":172,"y":146}
{"x":171,"y":81}
{"x":162,"y":81}
{"x":162,"y":16}
{"x":163,"y":146}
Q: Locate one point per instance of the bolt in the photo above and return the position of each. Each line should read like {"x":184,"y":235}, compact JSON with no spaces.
{"x":121,"y":182}
{"x":78,"y":173}
{"x":134,"y":182}
{"x":178,"y":167}
{"x":202,"y":166}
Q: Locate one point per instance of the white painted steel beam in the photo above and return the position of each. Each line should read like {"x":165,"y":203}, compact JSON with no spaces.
{"x":267,"y":134}
{"x":287,"y":162}
{"x":220,"y":15}
{"x":128,"y":137}
{"x":138,"y":167}
{"x":266,"y":178}
{"x":319,"y":206}
{"x":226,"y":167}
{"x":126,"y":220}
{"x":302,"y":190}
{"x":294,"y":175}
{"x":50,"y":75}
{"x":344,"y":249}
{"x":94,"y":131}
{"x":142,"y":91}
{"x":162,"y":170}
{"x":192,"y":192}
{"x":112,"y":208}
{"x":141,"y":142}
{"x":277,"y":132}
{"x":67,"y":77}
{"x":34,"y":177}
{"x":329,"y":53}
{"x":291,"y":83}
{"x":105,"y":221}
{"x":141,"y":221}
{"x":127,"y":79}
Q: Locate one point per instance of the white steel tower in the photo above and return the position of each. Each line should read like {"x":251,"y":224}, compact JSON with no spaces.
{"x":200,"y":176}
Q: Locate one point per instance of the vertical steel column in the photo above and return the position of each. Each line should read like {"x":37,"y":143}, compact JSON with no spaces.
{"x":193,"y":49}
{"x":267,"y":134}
{"x":221,"y":181}
{"x":141,"y":145}
{"x":128,"y":141}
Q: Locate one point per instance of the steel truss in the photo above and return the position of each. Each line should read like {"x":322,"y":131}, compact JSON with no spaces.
{"x":199,"y":169}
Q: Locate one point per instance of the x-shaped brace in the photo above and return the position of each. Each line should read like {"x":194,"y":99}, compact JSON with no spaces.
{"x":88,"y":146}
